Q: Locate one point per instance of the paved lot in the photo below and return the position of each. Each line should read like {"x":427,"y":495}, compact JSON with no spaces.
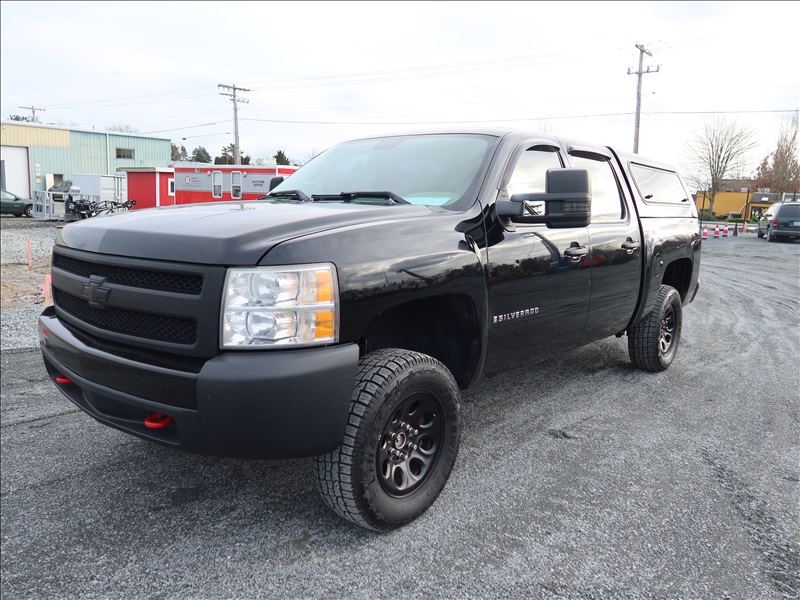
{"x":580,"y":478}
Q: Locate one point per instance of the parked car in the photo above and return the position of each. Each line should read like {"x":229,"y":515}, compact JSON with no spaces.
{"x":12,"y":204}
{"x":782,"y":219}
{"x":60,"y":189}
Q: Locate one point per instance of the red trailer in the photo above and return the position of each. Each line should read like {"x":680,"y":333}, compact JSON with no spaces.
{"x":190,"y":183}
{"x":219,"y":183}
{"x":151,"y":186}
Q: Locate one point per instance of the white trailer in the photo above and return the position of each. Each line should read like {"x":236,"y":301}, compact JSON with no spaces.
{"x":86,"y":188}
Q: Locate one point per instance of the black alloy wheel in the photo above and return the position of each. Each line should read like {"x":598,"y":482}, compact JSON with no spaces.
{"x":401,"y":441}
{"x":653,"y":342}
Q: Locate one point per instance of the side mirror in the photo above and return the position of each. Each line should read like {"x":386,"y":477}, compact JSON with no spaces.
{"x":275,"y":182}
{"x":566,"y":203}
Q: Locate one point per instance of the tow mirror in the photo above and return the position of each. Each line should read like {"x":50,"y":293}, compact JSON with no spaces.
{"x":566,"y":203}
{"x":275,"y":182}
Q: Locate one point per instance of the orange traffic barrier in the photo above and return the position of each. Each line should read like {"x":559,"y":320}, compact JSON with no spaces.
{"x":716,"y":231}
{"x":725,"y":231}
{"x":705,"y":232}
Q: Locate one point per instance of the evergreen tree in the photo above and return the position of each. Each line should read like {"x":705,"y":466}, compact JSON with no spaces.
{"x":227,"y":157}
{"x":200,"y":155}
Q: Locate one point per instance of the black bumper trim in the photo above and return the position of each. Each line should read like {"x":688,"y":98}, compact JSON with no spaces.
{"x":271,"y":404}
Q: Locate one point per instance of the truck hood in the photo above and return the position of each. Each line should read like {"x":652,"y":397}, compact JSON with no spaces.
{"x":219,"y":233}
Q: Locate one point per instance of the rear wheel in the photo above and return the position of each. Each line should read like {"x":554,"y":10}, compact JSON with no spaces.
{"x":770,"y":236}
{"x":653,"y":343}
{"x":400,"y":445}
{"x":29,"y":210}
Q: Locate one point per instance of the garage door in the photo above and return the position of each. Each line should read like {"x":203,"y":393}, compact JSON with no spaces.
{"x":16,"y":169}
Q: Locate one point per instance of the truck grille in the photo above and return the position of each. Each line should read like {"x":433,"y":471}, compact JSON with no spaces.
{"x":176,"y":282}
{"x":139,"y":304}
{"x":151,"y":327}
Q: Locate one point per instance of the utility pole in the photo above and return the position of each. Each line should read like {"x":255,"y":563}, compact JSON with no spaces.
{"x":232,"y":95}
{"x":639,"y":73}
{"x":33,"y":110}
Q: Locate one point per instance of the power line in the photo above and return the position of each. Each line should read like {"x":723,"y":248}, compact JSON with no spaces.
{"x":438,"y":121}
{"x":523,"y":118}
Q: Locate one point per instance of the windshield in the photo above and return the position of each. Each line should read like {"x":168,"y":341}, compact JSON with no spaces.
{"x":430,"y":169}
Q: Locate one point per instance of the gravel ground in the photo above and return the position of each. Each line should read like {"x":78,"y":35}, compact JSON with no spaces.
{"x":23,"y":288}
{"x":580,"y":479}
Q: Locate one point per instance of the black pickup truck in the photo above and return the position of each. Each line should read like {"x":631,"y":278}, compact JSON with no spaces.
{"x":340,"y":316}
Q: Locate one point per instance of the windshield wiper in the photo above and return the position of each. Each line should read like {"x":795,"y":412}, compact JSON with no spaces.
{"x":350,"y":196}
{"x":291,"y":194}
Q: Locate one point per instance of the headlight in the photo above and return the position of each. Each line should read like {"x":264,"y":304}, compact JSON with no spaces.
{"x":280,"y":306}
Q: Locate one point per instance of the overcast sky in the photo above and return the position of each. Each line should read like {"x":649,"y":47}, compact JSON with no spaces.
{"x":323,"y":72}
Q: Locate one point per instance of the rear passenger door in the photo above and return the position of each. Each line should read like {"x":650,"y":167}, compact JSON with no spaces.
{"x":615,"y":243}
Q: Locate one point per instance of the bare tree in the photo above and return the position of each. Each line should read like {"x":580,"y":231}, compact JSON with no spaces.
{"x":779,"y":171}
{"x":122,"y":128}
{"x":179,"y":153}
{"x":718,"y":148}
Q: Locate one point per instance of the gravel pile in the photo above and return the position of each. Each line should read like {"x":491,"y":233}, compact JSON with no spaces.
{"x":18,"y":325}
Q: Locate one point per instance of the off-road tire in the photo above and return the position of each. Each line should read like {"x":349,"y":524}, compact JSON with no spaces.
{"x":653,"y":343}
{"x":400,"y":444}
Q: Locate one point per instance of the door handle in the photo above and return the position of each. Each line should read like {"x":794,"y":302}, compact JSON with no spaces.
{"x":575,"y":252}
{"x":629,"y":245}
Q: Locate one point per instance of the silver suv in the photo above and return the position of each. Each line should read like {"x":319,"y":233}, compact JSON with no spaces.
{"x":782,"y":219}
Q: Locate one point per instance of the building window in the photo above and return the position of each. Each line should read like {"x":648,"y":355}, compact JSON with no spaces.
{"x":171,"y":186}
{"x":124,"y":153}
{"x":216,"y":184}
{"x":236,"y":185}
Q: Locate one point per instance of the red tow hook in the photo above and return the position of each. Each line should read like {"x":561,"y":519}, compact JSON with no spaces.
{"x":157,"y":421}
{"x":63,"y":380}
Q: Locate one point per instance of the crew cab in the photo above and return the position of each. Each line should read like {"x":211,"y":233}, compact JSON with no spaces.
{"x":341,"y":316}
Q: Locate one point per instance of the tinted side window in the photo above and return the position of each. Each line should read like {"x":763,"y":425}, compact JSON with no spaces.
{"x":606,"y":198}
{"x":530,"y":170}
{"x":529,"y":175}
{"x":657,"y":185}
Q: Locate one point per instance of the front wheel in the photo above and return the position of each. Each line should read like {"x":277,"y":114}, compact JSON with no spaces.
{"x":400,"y":444}
{"x":653,"y":343}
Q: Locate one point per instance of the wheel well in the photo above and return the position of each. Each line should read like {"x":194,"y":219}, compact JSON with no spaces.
{"x":678,"y":274}
{"x":444,"y":327}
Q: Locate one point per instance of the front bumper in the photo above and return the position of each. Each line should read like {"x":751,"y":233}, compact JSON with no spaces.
{"x":270,"y":404}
